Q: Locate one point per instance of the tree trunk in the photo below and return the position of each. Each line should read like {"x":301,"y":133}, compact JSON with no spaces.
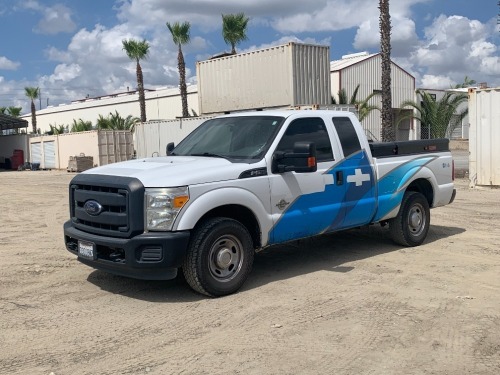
{"x":233,"y":48}
{"x":33,"y":116}
{"x":385,"y":48}
{"x":140,"y":88}
{"x":182,"y":82}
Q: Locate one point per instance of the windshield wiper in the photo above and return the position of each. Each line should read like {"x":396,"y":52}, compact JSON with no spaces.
{"x":209,"y":154}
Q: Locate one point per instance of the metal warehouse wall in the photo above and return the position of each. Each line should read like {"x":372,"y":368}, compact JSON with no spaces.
{"x":368,"y":74}
{"x":151,"y":138}
{"x":484,"y":137}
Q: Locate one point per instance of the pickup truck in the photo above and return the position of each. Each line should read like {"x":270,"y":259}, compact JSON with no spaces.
{"x":242,"y":182}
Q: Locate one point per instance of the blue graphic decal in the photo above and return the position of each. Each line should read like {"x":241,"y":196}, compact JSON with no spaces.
{"x":354,"y":203}
{"x":391,"y":186}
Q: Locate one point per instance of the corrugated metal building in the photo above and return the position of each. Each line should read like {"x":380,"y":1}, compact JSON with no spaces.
{"x":365,"y":70}
{"x":161,"y":104}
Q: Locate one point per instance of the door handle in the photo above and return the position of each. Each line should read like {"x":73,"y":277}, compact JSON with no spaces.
{"x":340,"y":177}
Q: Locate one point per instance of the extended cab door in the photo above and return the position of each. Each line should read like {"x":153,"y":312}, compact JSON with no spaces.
{"x":354,"y":173}
{"x":305,"y":204}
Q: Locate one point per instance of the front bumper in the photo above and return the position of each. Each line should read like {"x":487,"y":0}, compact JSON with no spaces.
{"x":148,"y":256}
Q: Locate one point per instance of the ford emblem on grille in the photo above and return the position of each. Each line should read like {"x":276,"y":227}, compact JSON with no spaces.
{"x":92,"y":207}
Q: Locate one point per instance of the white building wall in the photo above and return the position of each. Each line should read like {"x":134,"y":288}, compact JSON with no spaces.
{"x":105,"y":147}
{"x":160,"y":104}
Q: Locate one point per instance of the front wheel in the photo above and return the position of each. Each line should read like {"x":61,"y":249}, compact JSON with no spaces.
{"x":219,"y":258}
{"x":410,"y":226}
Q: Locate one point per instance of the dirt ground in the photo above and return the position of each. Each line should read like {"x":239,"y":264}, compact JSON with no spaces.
{"x":349,"y":303}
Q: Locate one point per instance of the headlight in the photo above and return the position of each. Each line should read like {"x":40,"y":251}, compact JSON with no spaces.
{"x":163,"y":205}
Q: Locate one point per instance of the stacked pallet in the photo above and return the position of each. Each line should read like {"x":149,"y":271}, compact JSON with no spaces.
{"x":80,"y":163}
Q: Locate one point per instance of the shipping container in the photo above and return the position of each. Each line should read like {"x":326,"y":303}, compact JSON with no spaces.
{"x":484,"y":137}
{"x":287,"y":75}
{"x":151,"y":138}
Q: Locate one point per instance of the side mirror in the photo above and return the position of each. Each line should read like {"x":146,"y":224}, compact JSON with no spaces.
{"x":301,"y":160}
{"x":170,"y":148}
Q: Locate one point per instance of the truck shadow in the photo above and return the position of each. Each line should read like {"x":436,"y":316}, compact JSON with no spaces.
{"x":329,"y":252}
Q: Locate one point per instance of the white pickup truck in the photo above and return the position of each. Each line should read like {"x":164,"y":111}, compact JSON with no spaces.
{"x":242,"y":182}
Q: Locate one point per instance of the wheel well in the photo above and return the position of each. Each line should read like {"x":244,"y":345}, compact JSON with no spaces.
{"x":424,"y":187}
{"x":241,"y":214}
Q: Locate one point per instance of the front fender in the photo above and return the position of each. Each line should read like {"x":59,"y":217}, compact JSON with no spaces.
{"x":212,"y":199}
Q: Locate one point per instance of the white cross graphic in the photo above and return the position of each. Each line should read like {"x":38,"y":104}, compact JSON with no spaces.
{"x":358,"y":177}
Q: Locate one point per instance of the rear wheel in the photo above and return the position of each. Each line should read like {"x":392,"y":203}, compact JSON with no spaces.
{"x":220,"y":257}
{"x":410,"y":226}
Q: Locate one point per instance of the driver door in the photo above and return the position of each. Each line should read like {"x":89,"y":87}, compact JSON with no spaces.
{"x":305,"y":204}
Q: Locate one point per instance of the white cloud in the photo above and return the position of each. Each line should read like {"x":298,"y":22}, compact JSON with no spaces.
{"x":403,"y":35}
{"x":455,"y":47}
{"x":7,"y":64}
{"x":430,"y":81}
{"x":55,"y":19}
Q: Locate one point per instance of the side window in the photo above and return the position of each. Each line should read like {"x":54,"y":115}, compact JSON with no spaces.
{"x":347,"y":135}
{"x":311,"y":129}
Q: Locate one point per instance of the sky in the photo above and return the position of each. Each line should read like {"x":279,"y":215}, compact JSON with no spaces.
{"x":71,"y":49}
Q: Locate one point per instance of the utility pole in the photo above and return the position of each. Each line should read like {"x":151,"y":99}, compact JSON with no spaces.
{"x":40,"y":98}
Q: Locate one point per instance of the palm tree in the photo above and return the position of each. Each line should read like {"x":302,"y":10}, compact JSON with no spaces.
{"x":180,"y":36}
{"x":343,"y":96}
{"x":234,"y":29}
{"x":363,"y":107}
{"x":115,"y":122}
{"x":14,"y":111}
{"x":32,"y":93}
{"x":466,"y":83}
{"x":80,"y":126}
{"x":440,"y":116}
{"x":138,"y":50}
{"x":385,"y":49}
{"x":58,"y":129}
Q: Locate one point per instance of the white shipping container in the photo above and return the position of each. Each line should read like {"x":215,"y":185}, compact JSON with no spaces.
{"x":151,"y":138}
{"x":287,"y":75}
{"x":484,"y":137}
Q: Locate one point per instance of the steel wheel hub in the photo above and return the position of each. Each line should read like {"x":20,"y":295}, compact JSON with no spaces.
{"x":416,"y":220}
{"x":225,"y":258}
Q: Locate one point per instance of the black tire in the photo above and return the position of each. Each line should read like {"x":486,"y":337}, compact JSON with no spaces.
{"x":219,"y":258}
{"x":410,"y":226}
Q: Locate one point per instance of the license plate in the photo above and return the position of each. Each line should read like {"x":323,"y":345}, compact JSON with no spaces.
{"x":86,"y":250}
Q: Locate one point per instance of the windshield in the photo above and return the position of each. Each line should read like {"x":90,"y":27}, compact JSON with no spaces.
{"x":245,"y":137}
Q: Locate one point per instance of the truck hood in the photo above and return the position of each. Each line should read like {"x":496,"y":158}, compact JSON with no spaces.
{"x":176,"y":170}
